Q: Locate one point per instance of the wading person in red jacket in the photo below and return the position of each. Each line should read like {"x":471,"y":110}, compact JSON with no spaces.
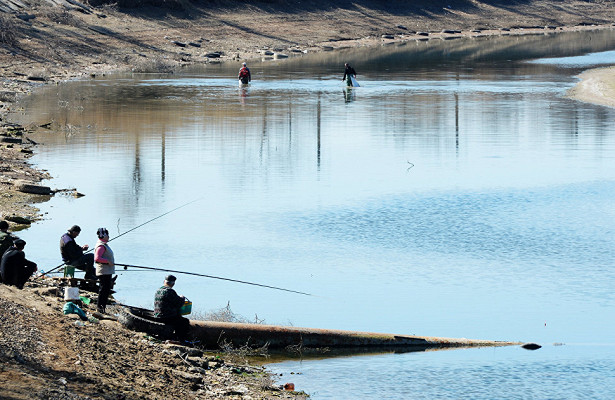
{"x":244,"y":74}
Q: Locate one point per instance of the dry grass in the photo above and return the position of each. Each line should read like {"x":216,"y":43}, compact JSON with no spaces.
{"x":7,"y":30}
{"x":60,"y":16}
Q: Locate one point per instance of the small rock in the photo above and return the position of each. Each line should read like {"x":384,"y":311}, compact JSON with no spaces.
{"x":34,"y":189}
{"x":18,"y":220}
{"x":177,"y":43}
{"x":26,"y":17}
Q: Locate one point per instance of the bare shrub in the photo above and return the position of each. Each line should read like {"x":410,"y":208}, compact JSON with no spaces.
{"x":153,"y":65}
{"x":109,"y":8}
{"x":240,"y":355}
{"x":225,"y":314}
{"x":7,"y":30}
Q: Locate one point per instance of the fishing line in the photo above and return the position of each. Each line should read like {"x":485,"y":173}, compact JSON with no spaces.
{"x":128,"y":231}
{"x":213,"y":277}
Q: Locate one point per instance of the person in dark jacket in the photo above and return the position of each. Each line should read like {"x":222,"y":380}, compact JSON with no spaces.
{"x":348,"y":72}
{"x":6,"y":238}
{"x":167,"y":304}
{"x":72,"y":253}
{"x":15,"y":269}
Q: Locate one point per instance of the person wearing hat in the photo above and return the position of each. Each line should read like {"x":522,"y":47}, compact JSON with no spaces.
{"x":244,"y":74}
{"x":72,"y":253}
{"x":167,"y":304}
{"x":15,"y":269}
{"x":105,"y":268}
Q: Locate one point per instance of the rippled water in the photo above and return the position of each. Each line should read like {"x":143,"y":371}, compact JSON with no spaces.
{"x":457,"y":193}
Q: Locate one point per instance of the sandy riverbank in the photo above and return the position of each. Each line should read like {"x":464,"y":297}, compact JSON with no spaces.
{"x":597,"y":86}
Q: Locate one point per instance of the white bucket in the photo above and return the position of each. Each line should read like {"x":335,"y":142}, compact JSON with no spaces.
{"x":71,"y":293}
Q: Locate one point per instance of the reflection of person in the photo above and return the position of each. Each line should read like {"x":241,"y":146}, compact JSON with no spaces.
{"x":244,"y":74}
{"x":349,"y":95}
{"x":15,"y":269}
{"x":105,"y":268}
{"x":167,"y":304}
{"x":348,"y":72}
{"x":6,"y":239}
{"x":72,"y":253}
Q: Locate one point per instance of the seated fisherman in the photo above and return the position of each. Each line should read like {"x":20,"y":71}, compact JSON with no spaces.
{"x":15,"y":269}
{"x":166,"y":307}
{"x":72,"y":253}
{"x":6,"y":238}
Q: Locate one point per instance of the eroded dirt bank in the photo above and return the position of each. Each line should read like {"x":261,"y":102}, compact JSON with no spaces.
{"x":47,"y":355}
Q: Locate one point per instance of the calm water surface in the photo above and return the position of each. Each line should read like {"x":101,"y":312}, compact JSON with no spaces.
{"x":457,"y":193}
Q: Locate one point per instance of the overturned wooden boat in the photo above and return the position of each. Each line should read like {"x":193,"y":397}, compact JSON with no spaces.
{"x":213,"y":334}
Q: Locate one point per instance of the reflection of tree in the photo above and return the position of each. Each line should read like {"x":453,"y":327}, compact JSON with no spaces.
{"x":318,"y":132}
{"x":136,"y":171}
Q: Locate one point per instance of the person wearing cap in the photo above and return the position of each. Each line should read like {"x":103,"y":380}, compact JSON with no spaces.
{"x":348,"y":73}
{"x":72,"y":253}
{"x":6,"y":238}
{"x":167,"y":304}
{"x":15,"y":269}
{"x":244,"y":74}
{"x":105,"y":268}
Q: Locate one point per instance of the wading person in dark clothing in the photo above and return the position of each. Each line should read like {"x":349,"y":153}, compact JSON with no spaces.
{"x":15,"y":269}
{"x":348,"y":73}
{"x":166,"y":307}
{"x":72,"y":253}
{"x":105,"y":268}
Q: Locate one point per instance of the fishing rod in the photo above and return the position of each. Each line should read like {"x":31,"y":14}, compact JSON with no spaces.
{"x":128,"y":231}
{"x":213,"y":277}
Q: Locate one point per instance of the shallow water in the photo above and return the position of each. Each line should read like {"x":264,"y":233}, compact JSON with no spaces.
{"x":457,"y":193}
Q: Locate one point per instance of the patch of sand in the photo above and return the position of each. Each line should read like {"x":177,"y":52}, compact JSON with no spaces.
{"x":597,"y":86}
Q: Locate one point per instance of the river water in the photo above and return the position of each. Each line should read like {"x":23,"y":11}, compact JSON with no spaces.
{"x":456,"y":193}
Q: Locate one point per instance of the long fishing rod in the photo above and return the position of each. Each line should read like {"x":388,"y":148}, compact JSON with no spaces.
{"x":213,"y":277}
{"x":128,"y":231}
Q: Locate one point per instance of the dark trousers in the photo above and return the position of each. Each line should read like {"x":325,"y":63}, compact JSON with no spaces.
{"x":181,"y":326}
{"x":85,"y":263}
{"x":104,"y":291}
{"x":18,"y":276}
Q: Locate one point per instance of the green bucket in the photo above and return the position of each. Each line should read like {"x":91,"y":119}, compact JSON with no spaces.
{"x":186,"y":308}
